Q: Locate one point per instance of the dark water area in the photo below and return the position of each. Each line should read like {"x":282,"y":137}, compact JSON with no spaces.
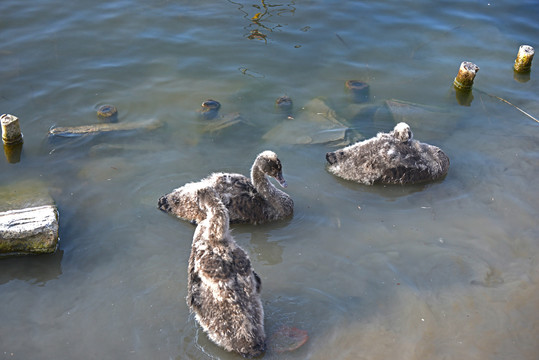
{"x":446,"y":270}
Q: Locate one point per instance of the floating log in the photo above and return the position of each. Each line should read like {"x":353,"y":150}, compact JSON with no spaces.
{"x":70,"y":131}
{"x":29,"y":231}
{"x":11,"y":130}
{"x":466,"y":75}
{"x":523,"y":62}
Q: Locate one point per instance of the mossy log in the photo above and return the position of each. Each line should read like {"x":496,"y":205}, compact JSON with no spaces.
{"x":71,"y":131}
{"x":29,"y":231}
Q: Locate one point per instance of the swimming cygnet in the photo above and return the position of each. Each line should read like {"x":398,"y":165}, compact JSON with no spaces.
{"x":223,"y":288}
{"x":253,"y":200}
{"x":389,"y":158}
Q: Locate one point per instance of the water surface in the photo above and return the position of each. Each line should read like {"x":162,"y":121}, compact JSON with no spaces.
{"x":447,"y":270}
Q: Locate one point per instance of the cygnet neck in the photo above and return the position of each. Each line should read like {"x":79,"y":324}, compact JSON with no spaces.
{"x":261,"y":182}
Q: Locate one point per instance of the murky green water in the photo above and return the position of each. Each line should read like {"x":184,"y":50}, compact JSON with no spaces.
{"x":448,"y":270}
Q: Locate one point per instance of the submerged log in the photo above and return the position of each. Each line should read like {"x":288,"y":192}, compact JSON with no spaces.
{"x":29,"y":231}
{"x":71,"y":131}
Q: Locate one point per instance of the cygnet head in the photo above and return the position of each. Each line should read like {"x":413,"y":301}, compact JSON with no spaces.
{"x":402,"y":132}
{"x":269,"y":164}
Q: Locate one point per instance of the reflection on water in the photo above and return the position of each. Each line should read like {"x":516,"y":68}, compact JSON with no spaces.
{"x":33,"y":269}
{"x":446,"y":270}
{"x":263,"y":18}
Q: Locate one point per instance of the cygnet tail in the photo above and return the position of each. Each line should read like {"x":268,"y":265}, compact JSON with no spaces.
{"x":331,"y":157}
{"x":163,"y":204}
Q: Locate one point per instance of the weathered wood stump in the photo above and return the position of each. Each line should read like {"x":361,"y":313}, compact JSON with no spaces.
{"x":71,"y":131}
{"x":463,"y":83}
{"x":29,"y":231}
{"x":11,"y":130}
{"x":107,"y":113}
{"x":466,"y":75}
{"x":11,"y":137}
{"x":209,"y":110}
{"x":284,"y":105}
{"x":359,"y":91}
{"x":523,"y":62}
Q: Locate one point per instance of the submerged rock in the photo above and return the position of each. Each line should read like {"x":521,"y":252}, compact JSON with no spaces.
{"x":316,"y":124}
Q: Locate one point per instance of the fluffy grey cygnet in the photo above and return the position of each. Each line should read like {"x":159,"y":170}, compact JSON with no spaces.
{"x":223,"y":288}
{"x":389,"y":158}
{"x":253,"y":200}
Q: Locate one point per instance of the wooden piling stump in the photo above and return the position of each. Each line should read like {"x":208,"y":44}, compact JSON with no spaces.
{"x":107,"y":113}
{"x":466,"y":75}
{"x":210,"y":109}
{"x":29,"y":231}
{"x":359,"y":91}
{"x":284,"y":104}
{"x":523,"y":62}
{"x":11,"y":130}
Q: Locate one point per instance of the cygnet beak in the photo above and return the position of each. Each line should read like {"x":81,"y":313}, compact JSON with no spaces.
{"x":281,"y":180}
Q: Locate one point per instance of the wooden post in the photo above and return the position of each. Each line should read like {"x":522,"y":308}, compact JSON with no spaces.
{"x":12,"y":138}
{"x":11,"y":130}
{"x":523,"y":62}
{"x":29,"y":231}
{"x":359,"y":90}
{"x":466,"y":75}
{"x":464,"y":81}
